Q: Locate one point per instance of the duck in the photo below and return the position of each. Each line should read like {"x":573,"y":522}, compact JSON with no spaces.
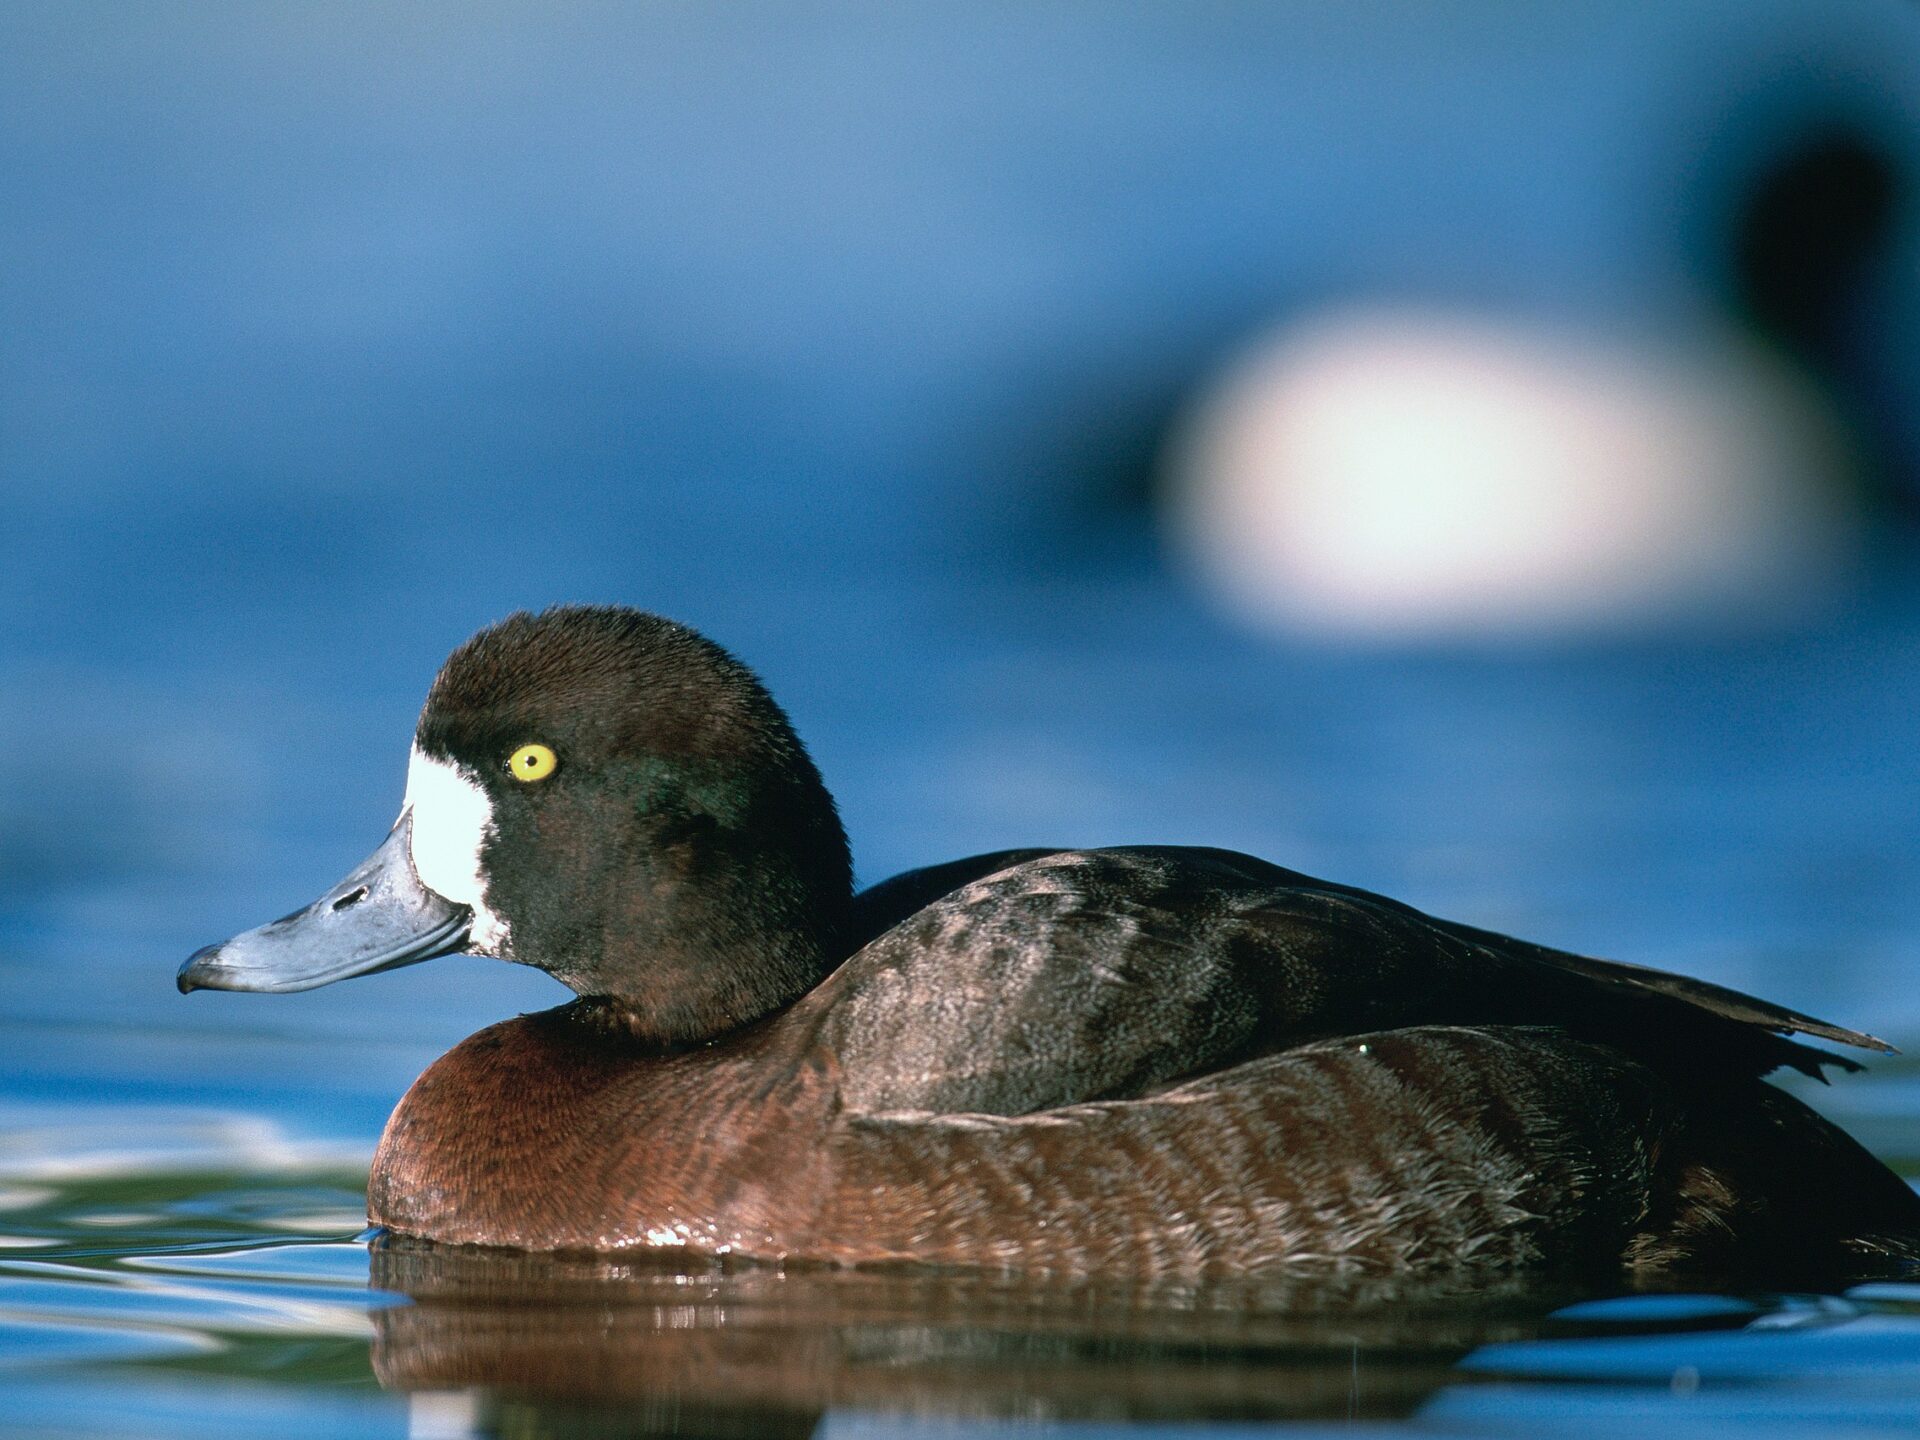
{"x":1144,"y":1062}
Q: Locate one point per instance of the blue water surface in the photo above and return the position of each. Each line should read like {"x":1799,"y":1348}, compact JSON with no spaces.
{"x":330,"y":333}
{"x":180,"y":1221}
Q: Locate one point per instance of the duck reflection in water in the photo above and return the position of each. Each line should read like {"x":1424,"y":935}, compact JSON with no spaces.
{"x":564,"y":1343}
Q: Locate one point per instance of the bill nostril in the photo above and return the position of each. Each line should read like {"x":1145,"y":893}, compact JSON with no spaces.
{"x":351,"y":898}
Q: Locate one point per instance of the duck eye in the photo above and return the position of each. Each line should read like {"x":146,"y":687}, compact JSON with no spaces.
{"x":532,"y":762}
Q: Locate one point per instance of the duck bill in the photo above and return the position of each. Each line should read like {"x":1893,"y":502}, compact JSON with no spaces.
{"x":379,"y":918}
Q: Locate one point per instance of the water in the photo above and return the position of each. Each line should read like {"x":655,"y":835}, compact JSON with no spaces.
{"x":185,"y":1301}
{"x":163,"y":1301}
{"x":182,"y":1248}
{"x":330,"y":333}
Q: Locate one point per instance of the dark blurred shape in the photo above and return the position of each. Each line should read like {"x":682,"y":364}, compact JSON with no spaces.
{"x":1816,"y":225}
{"x":1799,"y":233}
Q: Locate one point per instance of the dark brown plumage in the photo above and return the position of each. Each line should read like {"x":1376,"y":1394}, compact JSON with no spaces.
{"x":1154,"y":1062}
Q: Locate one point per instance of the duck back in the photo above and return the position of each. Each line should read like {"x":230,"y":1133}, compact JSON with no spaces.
{"x":1049,"y":978}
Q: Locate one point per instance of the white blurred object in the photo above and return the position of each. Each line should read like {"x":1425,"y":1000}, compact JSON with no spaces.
{"x":1403,"y":471}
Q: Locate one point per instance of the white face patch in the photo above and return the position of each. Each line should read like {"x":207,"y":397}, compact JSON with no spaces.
{"x":451,"y":818}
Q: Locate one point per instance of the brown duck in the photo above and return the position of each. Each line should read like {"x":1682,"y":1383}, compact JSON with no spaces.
{"x":1149,"y":1061}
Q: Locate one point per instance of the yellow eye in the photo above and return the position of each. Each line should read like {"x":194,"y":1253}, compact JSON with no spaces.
{"x":532,"y":762}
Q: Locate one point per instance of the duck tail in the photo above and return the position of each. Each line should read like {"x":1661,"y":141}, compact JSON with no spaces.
{"x":1756,"y":1186}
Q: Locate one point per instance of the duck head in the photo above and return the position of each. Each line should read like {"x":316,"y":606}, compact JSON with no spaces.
{"x":603,"y":794}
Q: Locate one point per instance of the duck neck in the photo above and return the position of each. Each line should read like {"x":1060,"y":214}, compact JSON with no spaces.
{"x":700,"y":976}
{"x":706,"y":934}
